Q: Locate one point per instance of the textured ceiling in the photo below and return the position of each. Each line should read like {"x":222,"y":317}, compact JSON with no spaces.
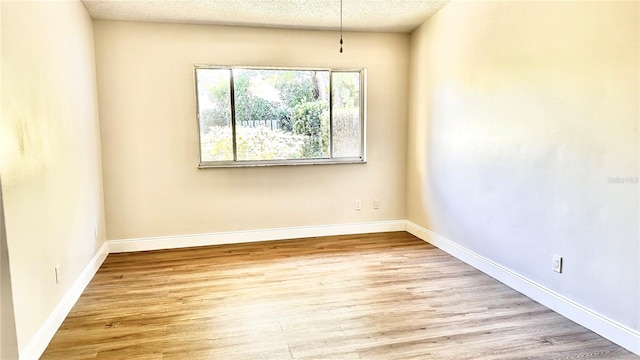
{"x":358,"y":15}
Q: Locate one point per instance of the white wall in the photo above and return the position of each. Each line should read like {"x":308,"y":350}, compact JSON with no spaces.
{"x":150,"y":137}
{"x":50,"y":155}
{"x":521,"y":114}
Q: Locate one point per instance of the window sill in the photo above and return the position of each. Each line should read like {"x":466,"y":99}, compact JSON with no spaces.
{"x":263,"y":163}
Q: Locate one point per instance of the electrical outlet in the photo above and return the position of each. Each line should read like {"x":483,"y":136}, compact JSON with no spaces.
{"x":56,"y":270}
{"x":557,"y":263}
{"x":376,"y":204}
{"x":358,"y":205}
{"x":95,"y":232}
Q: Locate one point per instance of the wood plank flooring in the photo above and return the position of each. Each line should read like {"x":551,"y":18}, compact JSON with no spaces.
{"x":373,"y":296}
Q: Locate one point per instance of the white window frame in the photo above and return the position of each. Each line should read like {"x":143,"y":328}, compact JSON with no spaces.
{"x":362,"y":159}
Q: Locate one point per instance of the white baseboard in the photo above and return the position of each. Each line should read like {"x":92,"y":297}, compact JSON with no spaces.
{"x":41,"y":339}
{"x":607,"y":328}
{"x":234,"y":237}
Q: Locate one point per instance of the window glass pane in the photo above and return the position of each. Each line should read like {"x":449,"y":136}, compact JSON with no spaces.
{"x":346,"y":129}
{"x":214,"y":108}
{"x":281,"y":114}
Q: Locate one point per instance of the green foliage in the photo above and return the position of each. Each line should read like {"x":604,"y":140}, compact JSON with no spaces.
{"x":285,"y":120}
{"x":215,"y":144}
{"x":262,"y":143}
{"x":258,"y":143}
{"x":248,"y":105}
{"x":311,"y":119}
{"x":218,"y":109}
{"x":346,"y":87}
{"x":215,"y":117}
{"x":297,"y":101}
{"x":295,"y":88}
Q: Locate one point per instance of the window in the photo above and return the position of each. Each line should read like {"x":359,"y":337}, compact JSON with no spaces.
{"x":260,"y":116}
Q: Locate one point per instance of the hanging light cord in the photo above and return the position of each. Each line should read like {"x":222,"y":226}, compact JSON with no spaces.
{"x":341,"y":42}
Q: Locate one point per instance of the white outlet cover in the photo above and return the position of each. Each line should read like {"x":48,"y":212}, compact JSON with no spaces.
{"x":557,"y":263}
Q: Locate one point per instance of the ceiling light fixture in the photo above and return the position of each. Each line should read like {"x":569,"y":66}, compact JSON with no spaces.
{"x":341,"y":42}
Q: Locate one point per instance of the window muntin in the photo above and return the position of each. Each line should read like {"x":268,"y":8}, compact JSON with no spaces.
{"x":267,"y":116}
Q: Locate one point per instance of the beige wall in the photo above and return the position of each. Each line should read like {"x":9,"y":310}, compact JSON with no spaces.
{"x":521,"y":115}
{"x":50,"y":155}
{"x":150,"y":144}
{"x":8,"y":340}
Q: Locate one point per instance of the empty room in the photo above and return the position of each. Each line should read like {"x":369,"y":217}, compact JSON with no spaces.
{"x":319,"y":179}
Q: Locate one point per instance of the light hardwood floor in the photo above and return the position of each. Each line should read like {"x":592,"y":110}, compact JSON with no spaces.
{"x":373,"y":296}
